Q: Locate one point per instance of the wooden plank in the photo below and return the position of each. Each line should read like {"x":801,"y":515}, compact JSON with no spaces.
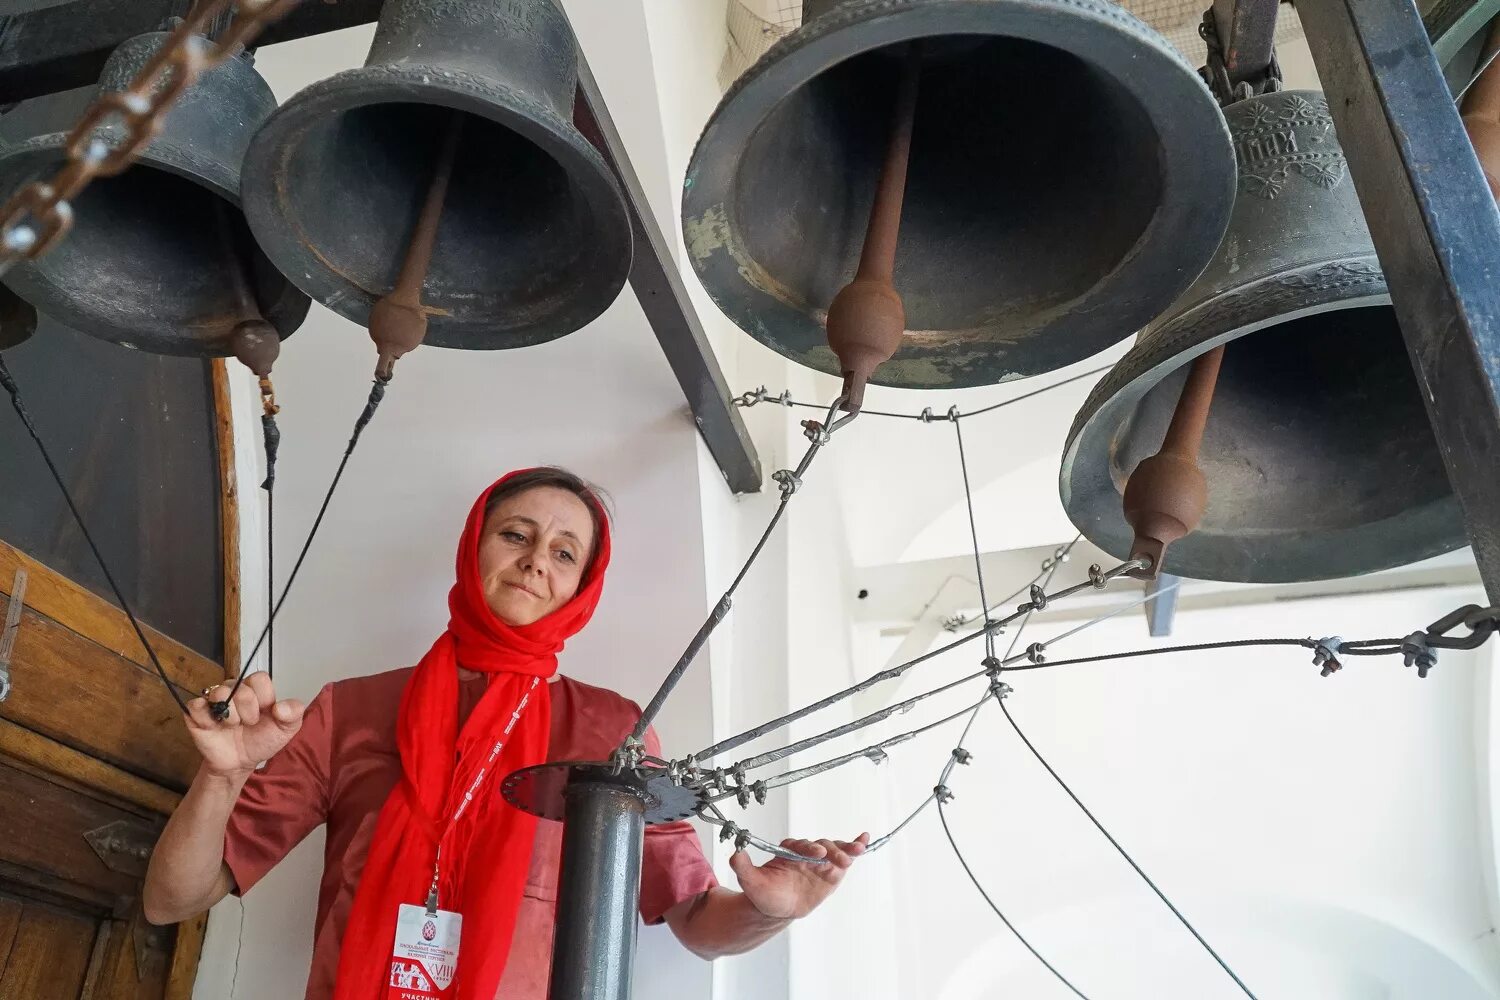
{"x":122,"y":979}
{"x":229,"y":515}
{"x":50,"y":955}
{"x":40,"y":886}
{"x":82,"y":695}
{"x":105,"y":941}
{"x":185,"y":956}
{"x":88,"y":614}
{"x":43,"y":827}
{"x":21,"y":744}
{"x":10,"y":924}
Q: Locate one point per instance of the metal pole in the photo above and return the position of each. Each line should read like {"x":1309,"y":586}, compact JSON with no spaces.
{"x":604,"y":828}
{"x":1435,"y":227}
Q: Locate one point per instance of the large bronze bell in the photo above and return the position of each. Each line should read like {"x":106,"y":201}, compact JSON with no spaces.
{"x":1317,"y":455}
{"x":159,"y":257}
{"x":533,"y":241}
{"x":1069,"y":176}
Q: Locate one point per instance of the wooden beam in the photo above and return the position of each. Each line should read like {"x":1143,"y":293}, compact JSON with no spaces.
{"x":24,"y":746}
{"x":78,"y":693}
{"x":186,"y":954}
{"x":229,"y":515}
{"x":76,"y":607}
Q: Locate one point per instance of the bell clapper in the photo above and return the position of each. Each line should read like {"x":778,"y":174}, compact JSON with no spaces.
{"x":398,"y":323}
{"x":1167,"y":493}
{"x":253,"y":341}
{"x":867,"y":319}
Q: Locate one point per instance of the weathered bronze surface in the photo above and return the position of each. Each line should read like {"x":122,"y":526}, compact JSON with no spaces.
{"x":1317,"y":452}
{"x":534,"y":240}
{"x":1070,"y":175}
{"x":145,"y":265}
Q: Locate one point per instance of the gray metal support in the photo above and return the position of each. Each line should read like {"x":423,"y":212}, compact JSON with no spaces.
{"x":604,"y":829}
{"x":1436,"y":230}
{"x":1161,"y":609}
{"x":1247,"y":31}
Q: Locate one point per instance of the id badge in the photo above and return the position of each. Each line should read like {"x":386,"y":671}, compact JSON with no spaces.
{"x":425,"y":959}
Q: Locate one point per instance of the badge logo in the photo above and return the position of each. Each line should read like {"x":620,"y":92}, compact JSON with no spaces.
{"x":429,"y":931}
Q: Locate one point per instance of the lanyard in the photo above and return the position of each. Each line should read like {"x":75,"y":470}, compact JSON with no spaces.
{"x":472,"y":791}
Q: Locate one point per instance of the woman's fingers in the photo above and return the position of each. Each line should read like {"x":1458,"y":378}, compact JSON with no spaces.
{"x":835,"y":854}
{"x":806,"y":848}
{"x":200,"y":710}
{"x":198,"y":714}
{"x":265,"y":691}
{"x":247,"y":703}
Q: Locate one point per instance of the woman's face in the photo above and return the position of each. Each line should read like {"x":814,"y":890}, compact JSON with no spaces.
{"x":532,"y":553}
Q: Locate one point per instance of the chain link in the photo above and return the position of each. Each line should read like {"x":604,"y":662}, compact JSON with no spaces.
{"x":41,"y":213}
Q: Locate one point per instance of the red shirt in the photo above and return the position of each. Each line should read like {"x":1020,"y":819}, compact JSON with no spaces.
{"x":342,"y":765}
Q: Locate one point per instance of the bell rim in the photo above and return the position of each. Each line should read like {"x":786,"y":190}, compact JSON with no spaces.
{"x":1197,"y":200}
{"x":29,"y":281}
{"x":458,"y":90}
{"x":1324,"y":555}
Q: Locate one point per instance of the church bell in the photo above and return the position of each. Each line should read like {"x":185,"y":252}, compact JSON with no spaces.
{"x":533,"y":241}
{"x":1069,"y":175}
{"x":159,"y":257}
{"x":1317,"y":454}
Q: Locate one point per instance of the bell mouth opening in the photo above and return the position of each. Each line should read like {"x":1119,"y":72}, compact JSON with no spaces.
{"x":1317,"y":427}
{"x":518,"y":237}
{"x":147,"y":265}
{"x":1014,"y":208}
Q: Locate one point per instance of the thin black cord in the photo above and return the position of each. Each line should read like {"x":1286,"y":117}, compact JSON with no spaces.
{"x":953,"y":758}
{"x":220,"y":709}
{"x":7,"y":380}
{"x":943,"y":817}
{"x":1124,"y":854}
{"x":963,"y":464}
{"x":1224,"y":644}
{"x":272,"y":437}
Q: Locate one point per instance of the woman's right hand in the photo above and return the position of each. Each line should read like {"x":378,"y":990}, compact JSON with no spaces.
{"x":257,"y":728}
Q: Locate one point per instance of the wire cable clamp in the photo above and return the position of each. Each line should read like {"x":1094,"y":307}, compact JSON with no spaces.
{"x":1326,"y":655}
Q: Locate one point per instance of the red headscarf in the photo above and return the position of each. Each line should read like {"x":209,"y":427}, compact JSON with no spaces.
{"x":485,"y":854}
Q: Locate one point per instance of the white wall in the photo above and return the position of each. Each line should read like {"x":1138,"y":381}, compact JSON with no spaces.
{"x":1322,"y":833}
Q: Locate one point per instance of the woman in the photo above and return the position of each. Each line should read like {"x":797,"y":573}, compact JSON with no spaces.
{"x":388,"y":761}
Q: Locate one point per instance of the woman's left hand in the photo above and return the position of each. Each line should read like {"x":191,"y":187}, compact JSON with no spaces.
{"x":788,"y":890}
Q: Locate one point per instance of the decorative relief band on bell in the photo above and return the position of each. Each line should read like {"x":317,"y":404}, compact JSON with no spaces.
{"x":1294,"y":289}
{"x":1281,"y":135}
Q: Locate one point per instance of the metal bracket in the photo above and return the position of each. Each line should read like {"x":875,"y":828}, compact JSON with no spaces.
{"x":1240,"y":36}
{"x":12,"y":629}
{"x":123,"y":846}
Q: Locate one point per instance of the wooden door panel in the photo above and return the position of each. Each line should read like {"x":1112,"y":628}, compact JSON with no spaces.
{"x":50,"y":954}
{"x":44,"y":831}
{"x":90,"y":741}
{"x":120,"y":975}
{"x":10,"y":923}
{"x":81,"y":610}
{"x":77,"y":692}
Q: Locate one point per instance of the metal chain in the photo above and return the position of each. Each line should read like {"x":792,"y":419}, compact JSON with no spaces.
{"x":41,"y":213}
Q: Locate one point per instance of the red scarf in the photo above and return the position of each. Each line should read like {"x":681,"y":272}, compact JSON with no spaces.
{"x":486,"y":854}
